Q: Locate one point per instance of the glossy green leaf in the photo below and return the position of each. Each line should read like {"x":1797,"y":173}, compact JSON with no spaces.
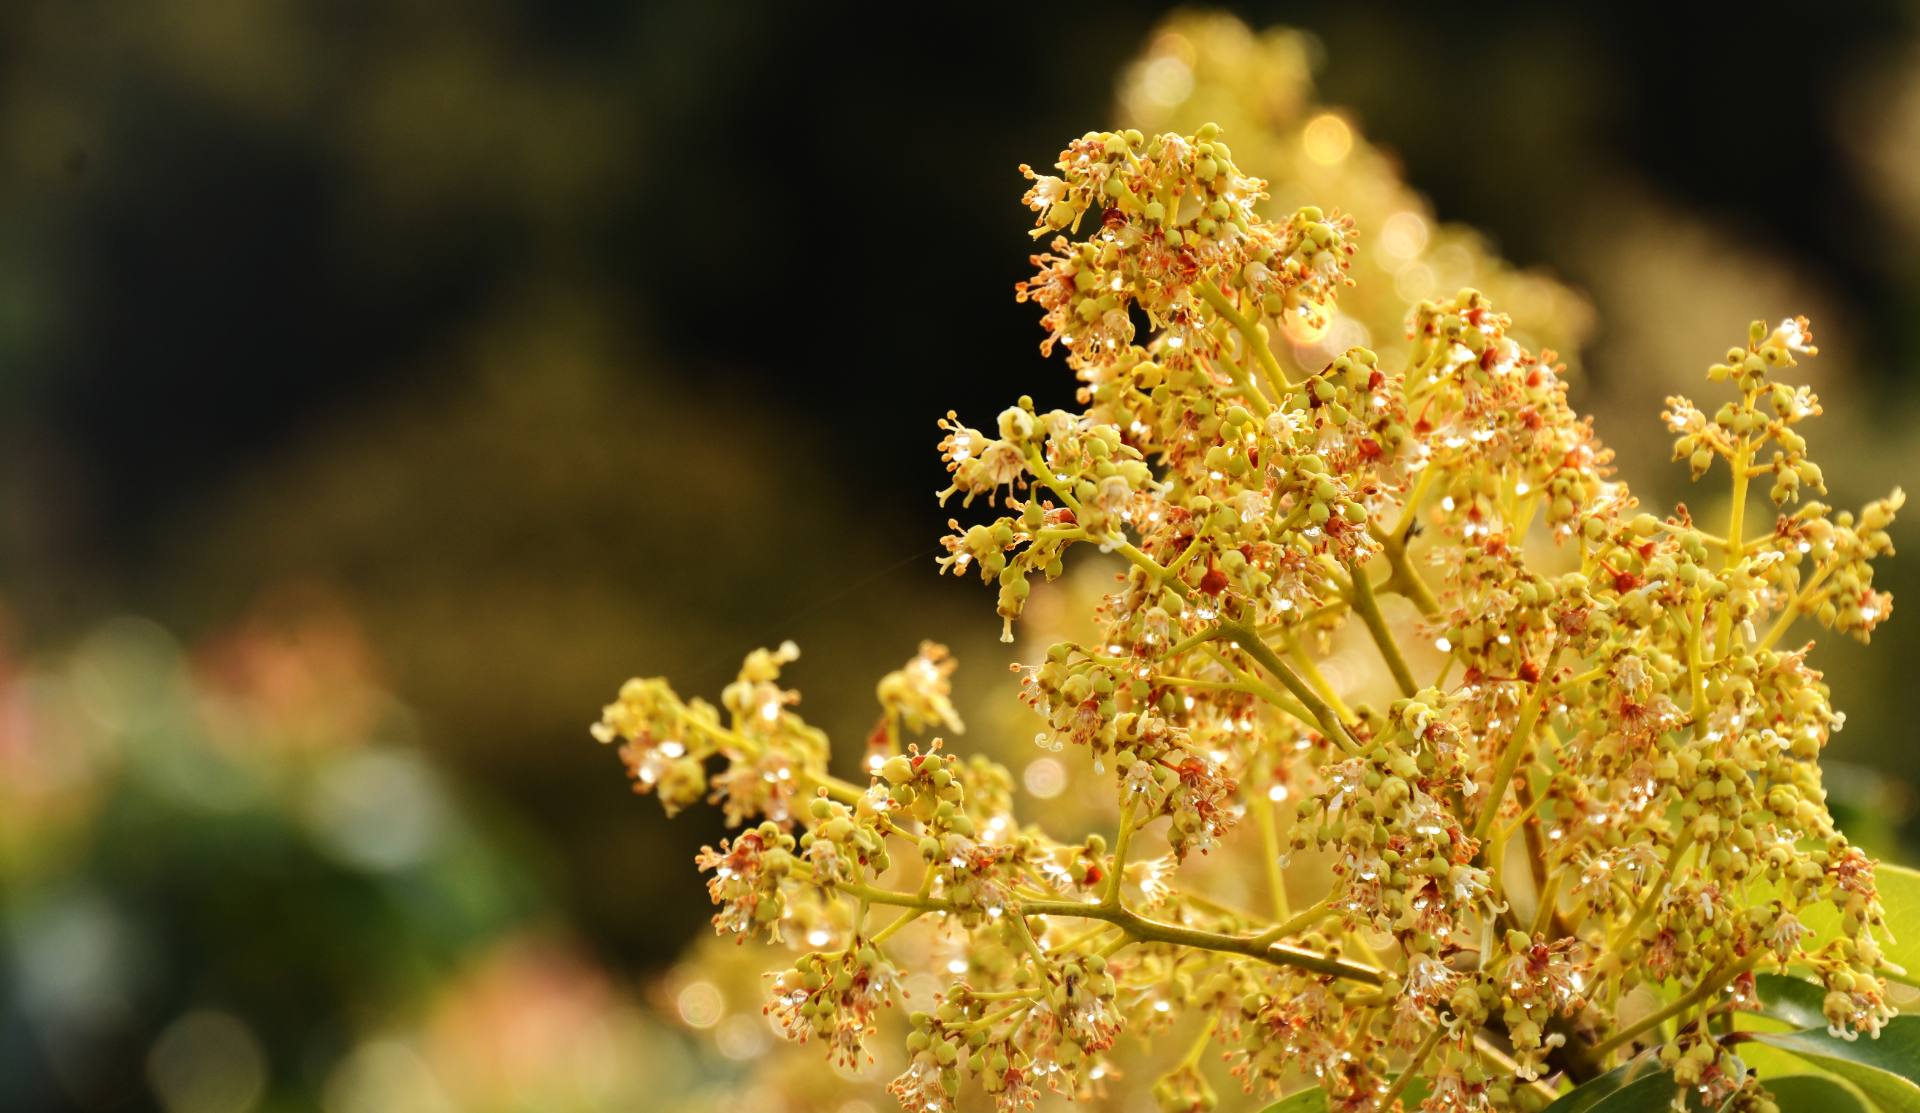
{"x":1792,"y":1001}
{"x":1315,"y":1100}
{"x":1652,"y":1094}
{"x":1306,"y":1101}
{"x":1587,"y":1097}
{"x":1887,"y":1069}
{"x":1814,"y":1094}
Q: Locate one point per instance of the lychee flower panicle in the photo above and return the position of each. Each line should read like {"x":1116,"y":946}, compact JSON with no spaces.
{"x":1492,"y":749}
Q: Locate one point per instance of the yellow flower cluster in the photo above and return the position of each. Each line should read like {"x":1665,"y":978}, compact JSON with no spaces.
{"x":1595,"y":785}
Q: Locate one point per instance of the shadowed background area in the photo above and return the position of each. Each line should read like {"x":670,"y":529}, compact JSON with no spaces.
{"x":418,"y":370}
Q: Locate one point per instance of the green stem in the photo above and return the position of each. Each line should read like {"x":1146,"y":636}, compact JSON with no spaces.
{"x":1800,"y":600}
{"x":1406,"y":579}
{"x":1244,"y":387}
{"x":1247,"y":640}
{"x":1160,"y":680}
{"x":1151,"y":567}
{"x":1199,"y":1046}
{"x":991,"y":1019}
{"x":1369,"y":610}
{"x":1696,"y":665}
{"x":1516,"y":749}
{"x":1186,"y":555}
{"x":1142,"y":929}
{"x":1680,"y":848}
{"x":1412,"y":507}
{"x":1037,"y":464}
{"x":1736,"y":542}
{"x":1251,"y":332}
{"x":1122,"y":842}
{"x":1414,"y":1064}
{"x":1297,"y":924}
{"x":1019,"y":925}
{"x":1270,"y":850}
{"x":1265,"y":691}
{"x":1315,"y":677}
{"x":906,"y":917}
{"x":1707,"y":987}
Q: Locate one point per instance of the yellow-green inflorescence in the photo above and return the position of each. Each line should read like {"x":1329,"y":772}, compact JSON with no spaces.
{"x":1611,"y":695}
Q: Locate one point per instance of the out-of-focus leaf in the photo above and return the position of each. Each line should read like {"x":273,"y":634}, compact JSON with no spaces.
{"x":1886,"y":1069}
{"x":1306,"y":1101}
{"x":1814,"y":1094}
{"x":1900,"y":896}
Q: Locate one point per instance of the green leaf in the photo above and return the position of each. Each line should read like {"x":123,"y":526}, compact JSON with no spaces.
{"x":1652,"y":1094}
{"x":1586,"y":1097}
{"x":1315,"y":1100}
{"x":1306,"y":1101}
{"x":1793,"y":1001}
{"x":1811,"y":1092}
{"x":1887,"y":1069}
{"x":1900,"y":896}
{"x":1899,"y":889}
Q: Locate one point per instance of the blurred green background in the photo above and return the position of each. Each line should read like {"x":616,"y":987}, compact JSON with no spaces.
{"x":415,"y":371}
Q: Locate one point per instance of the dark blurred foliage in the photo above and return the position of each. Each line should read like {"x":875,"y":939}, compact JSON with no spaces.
{"x":569,"y":341}
{"x":236,"y":222}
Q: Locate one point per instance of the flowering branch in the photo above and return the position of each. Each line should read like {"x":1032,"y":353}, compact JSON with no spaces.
{"x":1657,"y":757}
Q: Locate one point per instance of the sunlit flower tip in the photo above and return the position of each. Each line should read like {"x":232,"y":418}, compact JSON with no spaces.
{"x":1797,"y":335}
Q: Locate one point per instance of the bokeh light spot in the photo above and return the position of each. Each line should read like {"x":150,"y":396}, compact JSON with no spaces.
{"x":207,"y":1062}
{"x":1045,"y":778}
{"x":701,"y":1005}
{"x":1327,"y":139}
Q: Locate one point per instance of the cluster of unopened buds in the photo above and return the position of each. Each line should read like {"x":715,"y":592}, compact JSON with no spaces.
{"x":1594,"y":774}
